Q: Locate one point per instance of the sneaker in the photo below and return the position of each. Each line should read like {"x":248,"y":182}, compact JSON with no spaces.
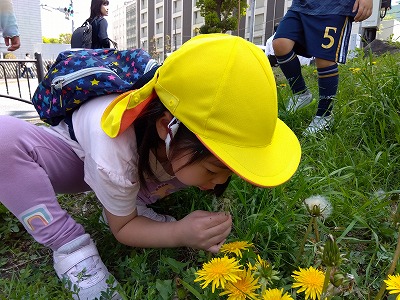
{"x":318,"y":124}
{"x":144,"y":211}
{"x":148,"y":212}
{"x":299,"y":101}
{"x":79,"y":264}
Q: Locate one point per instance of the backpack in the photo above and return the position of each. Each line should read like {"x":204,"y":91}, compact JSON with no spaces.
{"x":78,"y":76}
{"x":82,"y":36}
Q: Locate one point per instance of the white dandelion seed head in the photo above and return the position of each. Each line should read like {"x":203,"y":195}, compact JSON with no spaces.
{"x":322,"y":202}
{"x":380,"y":194}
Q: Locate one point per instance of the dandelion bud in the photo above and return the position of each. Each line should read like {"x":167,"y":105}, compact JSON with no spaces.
{"x":337,"y":279}
{"x":331,"y":254}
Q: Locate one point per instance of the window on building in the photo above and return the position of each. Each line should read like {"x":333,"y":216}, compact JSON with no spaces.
{"x":143,"y":31}
{"x":258,"y":40}
{"x":160,"y":27}
{"x":259,"y":3}
{"x":258,"y":22}
{"x":176,"y":40}
{"x":177,"y":23}
{"x":160,"y":43}
{"x":197,"y":18}
{"x":159,"y":12}
{"x":143,"y":4}
{"x":179,"y":39}
{"x":177,"y":6}
{"x":143,"y":18}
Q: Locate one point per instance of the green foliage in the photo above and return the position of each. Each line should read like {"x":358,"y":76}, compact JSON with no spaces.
{"x":64,"y":38}
{"x":50,"y":40}
{"x":221,"y":16}
{"x":10,"y":56}
{"x":355,"y":166}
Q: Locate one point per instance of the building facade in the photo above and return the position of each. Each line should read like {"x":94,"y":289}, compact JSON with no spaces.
{"x":162,"y":26}
{"x":267,"y":13}
{"x":30,"y":29}
{"x":123,"y":19}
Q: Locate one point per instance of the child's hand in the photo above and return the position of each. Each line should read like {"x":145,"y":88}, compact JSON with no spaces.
{"x":205,"y":230}
{"x":363,"y":8}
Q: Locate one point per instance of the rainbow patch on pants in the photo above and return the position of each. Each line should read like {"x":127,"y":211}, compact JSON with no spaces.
{"x":37,"y":213}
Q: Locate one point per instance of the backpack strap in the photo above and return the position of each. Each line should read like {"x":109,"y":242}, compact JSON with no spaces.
{"x":146,"y":77}
{"x":68,"y":121}
{"x":114,"y":43}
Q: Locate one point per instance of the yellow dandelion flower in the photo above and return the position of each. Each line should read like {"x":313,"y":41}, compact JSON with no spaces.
{"x":310,"y":281}
{"x":393,"y":284}
{"x":259,"y":264}
{"x":236,"y":247}
{"x":374,"y":62}
{"x":356,"y":70}
{"x":262,"y":262}
{"x":282,"y":85}
{"x":264,"y":271}
{"x":218,"y":272}
{"x":242,"y":289}
{"x":275,"y":294}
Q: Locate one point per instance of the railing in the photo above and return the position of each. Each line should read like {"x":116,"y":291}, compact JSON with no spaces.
{"x":11,"y":68}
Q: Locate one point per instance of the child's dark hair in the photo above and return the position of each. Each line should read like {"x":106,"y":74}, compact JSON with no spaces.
{"x":183,"y":141}
{"x":95,"y":8}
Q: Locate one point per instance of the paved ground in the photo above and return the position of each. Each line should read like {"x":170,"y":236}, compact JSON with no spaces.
{"x":16,"y":108}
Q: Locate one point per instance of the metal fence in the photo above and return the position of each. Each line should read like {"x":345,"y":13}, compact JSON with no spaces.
{"x":11,"y":69}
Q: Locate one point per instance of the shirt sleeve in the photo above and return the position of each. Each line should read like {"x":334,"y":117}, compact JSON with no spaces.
{"x":110,"y":164}
{"x":102,"y":33}
{"x":8,"y":21}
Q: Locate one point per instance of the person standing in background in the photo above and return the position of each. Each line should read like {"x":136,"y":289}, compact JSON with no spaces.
{"x":28,"y":67}
{"x":321,"y":29}
{"x":99,"y":10}
{"x":8,"y":24}
{"x":269,"y":52}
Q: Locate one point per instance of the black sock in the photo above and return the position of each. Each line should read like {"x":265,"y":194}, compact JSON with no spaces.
{"x":328,"y":80}
{"x":291,"y":68}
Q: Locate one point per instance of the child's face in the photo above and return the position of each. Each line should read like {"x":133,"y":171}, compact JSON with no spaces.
{"x":205,"y":174}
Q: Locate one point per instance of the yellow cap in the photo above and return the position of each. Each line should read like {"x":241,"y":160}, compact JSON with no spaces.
{"x":222,"y":88}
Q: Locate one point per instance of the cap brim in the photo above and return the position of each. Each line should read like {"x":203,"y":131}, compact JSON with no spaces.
{"x":123,"y":110}
{"x":267,"y":166}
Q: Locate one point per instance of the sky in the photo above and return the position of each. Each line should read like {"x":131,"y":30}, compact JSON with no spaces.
{"x":54,"y":22}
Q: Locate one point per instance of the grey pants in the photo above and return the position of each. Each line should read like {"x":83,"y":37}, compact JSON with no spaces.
{"x":34,"y":167}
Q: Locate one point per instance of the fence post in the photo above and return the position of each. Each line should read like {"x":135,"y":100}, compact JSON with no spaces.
{"x":39,"y":66}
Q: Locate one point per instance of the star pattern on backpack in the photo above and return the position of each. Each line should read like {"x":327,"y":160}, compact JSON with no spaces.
{"x":77,"y":76}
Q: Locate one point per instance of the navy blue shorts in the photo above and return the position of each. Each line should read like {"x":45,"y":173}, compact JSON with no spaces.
{"x":325,"y":37}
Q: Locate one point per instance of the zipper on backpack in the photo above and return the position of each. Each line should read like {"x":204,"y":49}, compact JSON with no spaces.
{"x":60,"y":81}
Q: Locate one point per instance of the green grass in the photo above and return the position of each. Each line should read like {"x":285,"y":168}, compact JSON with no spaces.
{"x":355,"y":166}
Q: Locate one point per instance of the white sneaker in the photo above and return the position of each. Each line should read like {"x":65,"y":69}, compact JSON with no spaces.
{"x":318,"y":124}
{"x":299,"y":101}
{"x":78,"y":262}
{"x":148,"y":212}
{"x":144,"y":211}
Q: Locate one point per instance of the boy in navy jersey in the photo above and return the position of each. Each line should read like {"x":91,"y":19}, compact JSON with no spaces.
{"x":321,"y":29}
